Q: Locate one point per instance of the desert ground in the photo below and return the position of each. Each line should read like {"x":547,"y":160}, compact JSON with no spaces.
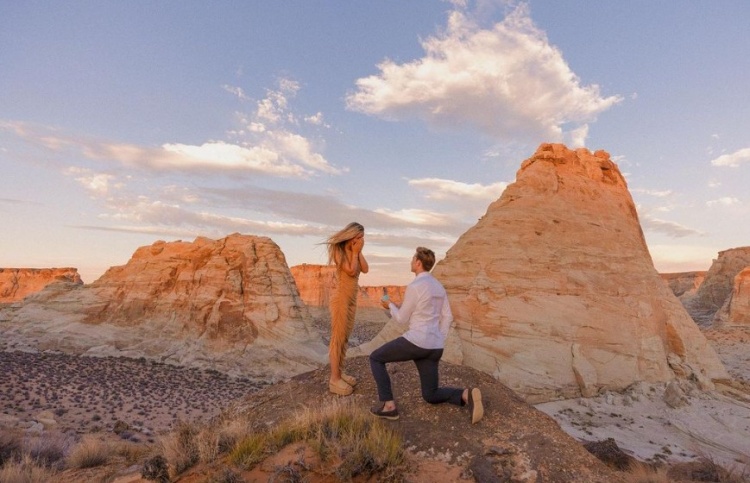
{"x":75,"y":395}
{"x":89,"y":394}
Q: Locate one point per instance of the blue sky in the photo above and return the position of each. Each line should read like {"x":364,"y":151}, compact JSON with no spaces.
{"x":123,"y":123}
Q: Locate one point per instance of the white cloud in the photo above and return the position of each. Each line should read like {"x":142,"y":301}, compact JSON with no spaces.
{"x":733,"y":160}
{"x":154,"y":216}
{"x":417,"y":216}
{"x":656,"y":193}
{"x":576,"y":138}
{"x":669,"y":228}
{"x":724,"y":201}
{"x":508,"y":81}
{"x":317,"y":120}
{"x":97,"y":183}
{"x":273,"y":108}
{"x":265,"y":146}
{"x":222,"y":156}
{"x":237,"y":91}
{"x":442,"y":189}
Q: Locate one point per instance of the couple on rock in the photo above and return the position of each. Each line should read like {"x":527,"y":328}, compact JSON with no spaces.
{"x":425,"y":309}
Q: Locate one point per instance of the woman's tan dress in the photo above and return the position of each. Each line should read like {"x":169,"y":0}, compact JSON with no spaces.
{"x":343,"y":308}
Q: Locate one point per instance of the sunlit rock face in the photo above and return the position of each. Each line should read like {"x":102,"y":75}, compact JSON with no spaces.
{"x":736,"y":309}
{"x":316,"y":284}
{"x":228,"y":304}
{"x":718,"y":286}
{"x":554,"y":291}
{"x":683,"y":283}
{"x":17,"y":283}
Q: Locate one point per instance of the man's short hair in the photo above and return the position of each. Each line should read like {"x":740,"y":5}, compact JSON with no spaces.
{"x":426,"y":256}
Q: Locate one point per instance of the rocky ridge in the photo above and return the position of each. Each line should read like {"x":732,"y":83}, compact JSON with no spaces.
{"x":684,"y":283}
{"x":316,"y":284}
{"x":17,"y":283}
{"x":228,"y":304}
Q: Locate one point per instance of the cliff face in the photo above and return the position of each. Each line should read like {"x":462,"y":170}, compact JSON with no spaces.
{"x":316,"y":284}
{"x":229,"y":304}
{"x":683,"y":283}
{"x":554,"y":291}
{"x":736,"y":309}
{"x":17,"y":283}
{"x":708,"y":304}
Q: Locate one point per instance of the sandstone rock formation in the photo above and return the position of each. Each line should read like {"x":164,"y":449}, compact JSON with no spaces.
{"x":17,"y":283}
{"x":229,"y":304}
{"x":316,"y":284}
{"x":554,"y":291}
{"x":718,"y":284}
{"x":736,"y":309}
{"x":683,"y":283}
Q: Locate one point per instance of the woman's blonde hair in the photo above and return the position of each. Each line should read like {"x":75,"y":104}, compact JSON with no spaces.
{"x":336,"y":242}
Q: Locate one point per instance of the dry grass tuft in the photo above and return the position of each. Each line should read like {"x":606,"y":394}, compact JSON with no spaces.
{"x":179,"y":447}
{"x":707,"y":469}
{"x":191,"y":443}
{"x":250,"y":451}
{"x":89,"y":453}
{"x":10,"y":445}
{"x":132,"y":452}
{"x":341,"y":432}
{"x":25,"y":470}
{"x":47,"y":449}
{"x":644,"y":473}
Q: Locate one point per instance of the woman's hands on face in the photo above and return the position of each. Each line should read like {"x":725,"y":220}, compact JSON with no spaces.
{"x":356,"y":243}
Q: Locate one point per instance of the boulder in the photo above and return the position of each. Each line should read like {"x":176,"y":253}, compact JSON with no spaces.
{"x":554,"y":291}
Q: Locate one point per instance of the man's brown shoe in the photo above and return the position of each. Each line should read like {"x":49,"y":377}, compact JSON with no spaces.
{"x":379,"y":412}
{"x":340,"y":387}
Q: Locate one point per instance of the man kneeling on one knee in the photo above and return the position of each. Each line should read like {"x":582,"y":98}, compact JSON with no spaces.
{"x":426,"y":310}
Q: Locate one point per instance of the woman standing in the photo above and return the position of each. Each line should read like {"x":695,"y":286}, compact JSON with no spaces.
{"x":344,"y":251}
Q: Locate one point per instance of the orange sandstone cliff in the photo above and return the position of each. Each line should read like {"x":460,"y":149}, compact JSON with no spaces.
{"x":17,"y":283}
{"x":316,"y":283}
{"x":228,"y":304}
{"x":554,"y":291}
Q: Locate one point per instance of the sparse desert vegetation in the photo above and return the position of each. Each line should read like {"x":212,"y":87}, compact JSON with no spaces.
{"x":89,"y":394}
{"x":340,"y":440}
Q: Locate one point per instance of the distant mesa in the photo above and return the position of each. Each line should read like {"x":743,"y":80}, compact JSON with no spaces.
{"x":684,"y":283}
{"x":736,"y":310}
{"x":724,"y":296}
{"x":17,"y":283}
{"x":723,"y":290}
{"x":316,"y":284}
{"x":554,"y":291}
{"x":228,"y":304}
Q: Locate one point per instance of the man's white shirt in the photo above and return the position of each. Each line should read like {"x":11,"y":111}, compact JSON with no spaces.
{"x":426,"y":309}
